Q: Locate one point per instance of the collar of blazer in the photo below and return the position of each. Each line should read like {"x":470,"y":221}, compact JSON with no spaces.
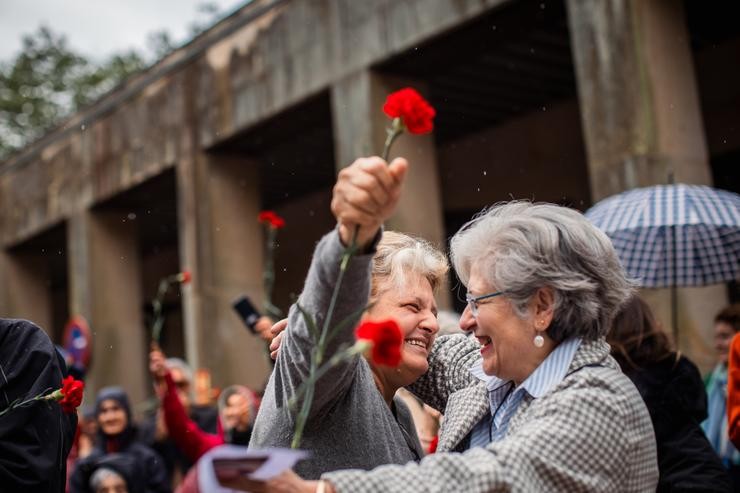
{"x":467,"y":406}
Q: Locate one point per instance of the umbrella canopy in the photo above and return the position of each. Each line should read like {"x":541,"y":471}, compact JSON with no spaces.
{"x":674,"y":235}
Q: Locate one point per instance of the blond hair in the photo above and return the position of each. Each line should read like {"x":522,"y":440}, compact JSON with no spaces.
{"x":399,"y":254}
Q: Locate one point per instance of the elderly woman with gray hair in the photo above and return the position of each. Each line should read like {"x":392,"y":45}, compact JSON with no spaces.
{"x":537,"y":404}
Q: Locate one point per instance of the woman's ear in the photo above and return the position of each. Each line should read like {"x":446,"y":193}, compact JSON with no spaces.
{"x":544,"y":307}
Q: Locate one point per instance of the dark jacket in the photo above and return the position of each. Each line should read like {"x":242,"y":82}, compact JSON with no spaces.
{"x":34,"y":440}
{"x":674,"y":393}
{"x":205,"y":417}
{"x":149,"y":473}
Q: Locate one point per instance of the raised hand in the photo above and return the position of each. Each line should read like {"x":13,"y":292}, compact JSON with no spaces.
{"x":366,"y":195}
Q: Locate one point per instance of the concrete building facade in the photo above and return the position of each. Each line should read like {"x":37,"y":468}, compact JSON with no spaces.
{"x":562,"y":101}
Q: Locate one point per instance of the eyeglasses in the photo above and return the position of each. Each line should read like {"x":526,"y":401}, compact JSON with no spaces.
{"x":473,"y":300}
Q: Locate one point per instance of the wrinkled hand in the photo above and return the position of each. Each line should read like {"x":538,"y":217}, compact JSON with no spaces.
{"x":366,"y":195}
{"x":286,"y":482}
{"x":277,"y":339}
{"x":157,"y":366}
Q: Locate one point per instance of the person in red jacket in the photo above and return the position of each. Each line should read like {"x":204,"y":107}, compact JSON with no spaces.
{"x":237,"y":410}
{"x":733,"y":392}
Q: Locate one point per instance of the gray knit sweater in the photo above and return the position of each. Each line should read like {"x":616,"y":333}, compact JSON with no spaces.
{"x":350,"y":425}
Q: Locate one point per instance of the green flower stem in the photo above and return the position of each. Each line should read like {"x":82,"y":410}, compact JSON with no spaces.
{"x":318,"y":354}
{"x":359,"y":347}
{"x":164,"y":285}
{"x":393,"y":133}
{"x":316,"y":369}
{"x":55,"y":395}
{"x":268,"y":276}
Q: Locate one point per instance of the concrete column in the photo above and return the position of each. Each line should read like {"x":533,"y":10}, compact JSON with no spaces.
{"x":642,"y":119}
{"x":78,"y":264}
{"x":26,"y":291}
{"x":221,"y":244}
{"x":638,"y":96}
{"x":359,"y":130}
{"x":105,"y":288}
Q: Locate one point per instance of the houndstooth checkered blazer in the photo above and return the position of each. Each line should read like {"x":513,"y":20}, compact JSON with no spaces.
{"x":591,"y":432}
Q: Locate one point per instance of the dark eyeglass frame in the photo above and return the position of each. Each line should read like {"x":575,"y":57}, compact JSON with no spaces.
{"x":473,"y":300}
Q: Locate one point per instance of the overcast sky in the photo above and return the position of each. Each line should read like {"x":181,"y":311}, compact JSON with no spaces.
{"x":97,"y":28}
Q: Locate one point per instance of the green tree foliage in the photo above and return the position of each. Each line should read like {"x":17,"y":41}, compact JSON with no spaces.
{"x":47,"y":81}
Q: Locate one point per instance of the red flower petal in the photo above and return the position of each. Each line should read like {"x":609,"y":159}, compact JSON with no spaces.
{"x":266,"y":216}
{"x":72,"y":392}
{"x":277,"y":222}
{"x":415,"y":112}
{"x":387,"y":339}
{"x":185,"y":277}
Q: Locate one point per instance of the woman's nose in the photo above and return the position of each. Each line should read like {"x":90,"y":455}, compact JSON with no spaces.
{"x":467,"y":320}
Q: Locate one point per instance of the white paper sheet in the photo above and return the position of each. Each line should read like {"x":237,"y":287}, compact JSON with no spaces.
{"x":277,"y":460}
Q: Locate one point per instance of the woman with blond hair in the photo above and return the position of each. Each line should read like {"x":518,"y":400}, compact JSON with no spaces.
{"x":355,"y":420}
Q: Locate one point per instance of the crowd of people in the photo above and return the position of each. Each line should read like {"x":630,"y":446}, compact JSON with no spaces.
{"x":557,"y":376}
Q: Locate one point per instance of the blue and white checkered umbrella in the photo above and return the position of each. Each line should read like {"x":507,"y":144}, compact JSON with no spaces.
{"x":674,"y":235}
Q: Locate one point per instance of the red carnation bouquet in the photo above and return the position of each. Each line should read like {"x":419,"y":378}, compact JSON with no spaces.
{"x":382,"y":340}
{"x":69,"y":397}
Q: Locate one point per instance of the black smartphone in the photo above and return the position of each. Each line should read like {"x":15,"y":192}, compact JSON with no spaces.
{"x":247,"y":312}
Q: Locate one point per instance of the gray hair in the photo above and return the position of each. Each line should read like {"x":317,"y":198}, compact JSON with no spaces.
{"x":398,"y":254}
{"x":521,"y":247}
{"x":100,"y":475}
{"x":182,"y":366}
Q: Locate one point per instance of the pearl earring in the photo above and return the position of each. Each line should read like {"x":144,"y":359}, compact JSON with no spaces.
{"x":539,"y":341}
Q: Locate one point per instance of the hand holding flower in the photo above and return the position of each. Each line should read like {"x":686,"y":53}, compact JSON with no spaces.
{"x":69,"y":397}
{"x":366,"y":195}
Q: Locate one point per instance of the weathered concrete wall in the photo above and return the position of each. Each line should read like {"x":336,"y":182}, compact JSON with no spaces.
{"x":279,"y":59}
{"x":638,"y":95}
{"x":642,"y":120}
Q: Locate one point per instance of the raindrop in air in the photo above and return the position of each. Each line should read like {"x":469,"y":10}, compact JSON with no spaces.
{"x":131,"y":216}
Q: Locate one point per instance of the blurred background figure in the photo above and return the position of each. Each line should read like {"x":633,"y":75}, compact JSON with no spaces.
{"x":154,"y":432}
{"x":237,"y":410}
{"x":117,"y":442}
{"x":726,"y":325}
{"x":673,"y":390}
{"x":237,"y":407}
{"x":105,"y":480}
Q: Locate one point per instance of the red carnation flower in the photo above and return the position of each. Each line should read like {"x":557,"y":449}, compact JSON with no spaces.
{"x":413,"y":110}
{"x":433,"y":444}
{"x":184,"y":277}
{"x":386,"y":338}
{"x":266,"y":217}
{"x":72,"y":391}
{"x":272,"y":219}
{"x":277,"y":222}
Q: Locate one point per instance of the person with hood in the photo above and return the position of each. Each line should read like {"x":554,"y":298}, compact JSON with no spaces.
{"x":116,"y":435}
{"x":35,"y":439}
{"x":674,"y":394}
{"x":237,"y":410}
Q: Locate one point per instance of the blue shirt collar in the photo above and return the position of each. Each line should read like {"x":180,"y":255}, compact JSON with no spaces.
{"x":548,"y":374}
